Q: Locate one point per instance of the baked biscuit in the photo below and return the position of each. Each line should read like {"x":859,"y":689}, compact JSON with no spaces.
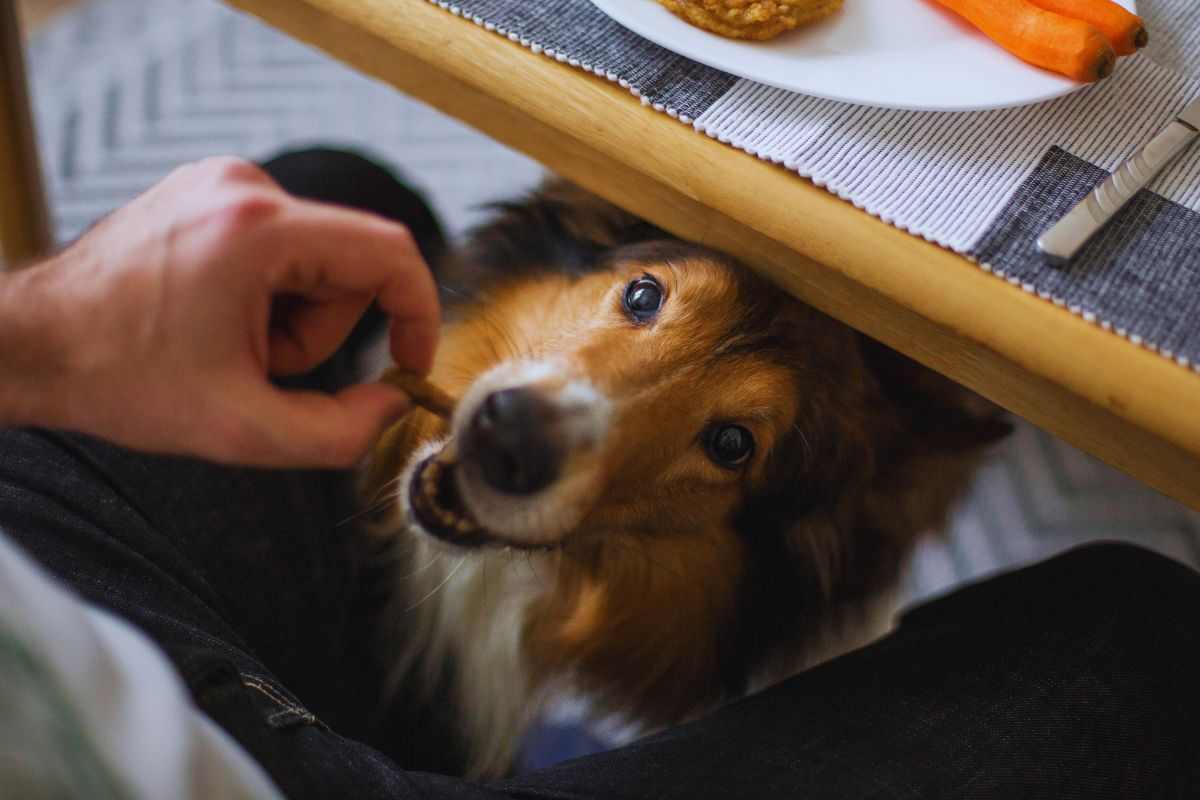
{"x":751,"y":19}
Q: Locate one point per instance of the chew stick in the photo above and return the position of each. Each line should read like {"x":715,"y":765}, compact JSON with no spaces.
{"x":422,"y":392}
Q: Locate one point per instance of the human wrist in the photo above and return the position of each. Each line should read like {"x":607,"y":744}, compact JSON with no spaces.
{"x":34,"y":352}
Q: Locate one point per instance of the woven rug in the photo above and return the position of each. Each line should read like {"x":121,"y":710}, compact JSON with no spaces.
{"x":125,"y":90}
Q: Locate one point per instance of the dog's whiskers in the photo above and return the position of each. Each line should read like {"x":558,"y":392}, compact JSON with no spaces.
{"x":377,"y":503}
{"x":487,"y":587}
{"x":436,"y":558}
{"x":808,"y":450}
{"x":448,"y":289}
{"x":365,"y":512}
{"x":438,"y":588}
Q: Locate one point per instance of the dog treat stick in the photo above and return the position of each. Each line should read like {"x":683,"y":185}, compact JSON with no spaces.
{"x":423,"y":393}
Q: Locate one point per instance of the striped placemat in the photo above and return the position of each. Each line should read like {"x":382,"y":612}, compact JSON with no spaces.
{"x":983,"y":184}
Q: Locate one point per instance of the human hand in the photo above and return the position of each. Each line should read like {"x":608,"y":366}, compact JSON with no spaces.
{"x":160,"y":328}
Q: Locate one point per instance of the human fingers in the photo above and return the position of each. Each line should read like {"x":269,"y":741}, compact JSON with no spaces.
{"x":337,"y":249}
{"x":304,"y":429}
{"x":303,"y":332}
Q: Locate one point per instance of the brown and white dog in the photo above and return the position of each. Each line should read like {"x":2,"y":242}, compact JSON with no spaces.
{"x":666,"y":483}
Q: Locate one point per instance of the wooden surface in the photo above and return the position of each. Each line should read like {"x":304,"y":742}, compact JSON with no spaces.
{"x":24,"y":221}
{"x":1130,"y":407}
{"x":35,"y":13}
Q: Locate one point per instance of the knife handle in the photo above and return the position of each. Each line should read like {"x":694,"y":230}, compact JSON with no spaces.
{"x":1062,"y":241}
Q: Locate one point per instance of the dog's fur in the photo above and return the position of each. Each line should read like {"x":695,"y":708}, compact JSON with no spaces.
{"x":659,"y":584}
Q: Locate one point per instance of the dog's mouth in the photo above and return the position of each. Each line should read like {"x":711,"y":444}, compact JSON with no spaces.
{"x":438,"y":504}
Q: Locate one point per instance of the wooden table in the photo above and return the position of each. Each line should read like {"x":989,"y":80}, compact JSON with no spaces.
{"x":1130,"y":407}
{"x":24,"y":222}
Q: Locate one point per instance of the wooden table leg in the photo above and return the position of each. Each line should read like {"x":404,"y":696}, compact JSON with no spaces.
{"x":24,"y":220}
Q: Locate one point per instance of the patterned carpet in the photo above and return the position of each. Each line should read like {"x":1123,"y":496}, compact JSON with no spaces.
{"x":127,"y":89}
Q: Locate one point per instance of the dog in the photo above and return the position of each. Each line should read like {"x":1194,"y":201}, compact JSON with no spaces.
{"x":666,"y":483}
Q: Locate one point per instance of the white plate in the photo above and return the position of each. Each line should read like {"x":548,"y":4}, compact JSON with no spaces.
{"x":910,"y":54}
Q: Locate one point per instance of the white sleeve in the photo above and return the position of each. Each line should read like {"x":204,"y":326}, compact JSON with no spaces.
{"x":89,"y":707}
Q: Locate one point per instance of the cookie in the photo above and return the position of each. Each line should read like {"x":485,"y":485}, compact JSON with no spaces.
{"x":751,"y":19}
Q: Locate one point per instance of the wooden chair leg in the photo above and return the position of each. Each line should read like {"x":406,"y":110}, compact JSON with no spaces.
{"x":24,"y":221}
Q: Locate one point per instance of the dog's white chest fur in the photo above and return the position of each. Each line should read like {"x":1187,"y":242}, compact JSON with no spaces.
{"x":467,"y":610}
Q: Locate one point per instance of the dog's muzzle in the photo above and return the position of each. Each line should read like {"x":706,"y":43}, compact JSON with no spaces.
{"x":511,"y":442}
{"x":520,"y":464}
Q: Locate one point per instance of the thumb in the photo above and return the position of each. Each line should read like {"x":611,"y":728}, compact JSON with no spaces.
{"x":334,"y":431}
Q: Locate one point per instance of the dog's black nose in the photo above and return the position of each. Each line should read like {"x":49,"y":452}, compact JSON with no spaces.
{"x":511,"y":439}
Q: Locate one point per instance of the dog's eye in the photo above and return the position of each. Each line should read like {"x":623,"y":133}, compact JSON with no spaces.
{"x":729,"y":446}
{"x":643,"y":299}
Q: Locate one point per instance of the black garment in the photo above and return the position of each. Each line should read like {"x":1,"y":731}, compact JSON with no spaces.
{"x":1074,"y":678}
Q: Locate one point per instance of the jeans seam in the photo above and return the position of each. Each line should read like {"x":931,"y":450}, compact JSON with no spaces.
{"x":290,"y":713}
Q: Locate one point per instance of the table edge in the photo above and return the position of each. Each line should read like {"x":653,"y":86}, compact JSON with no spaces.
{"x":1119,"y":401}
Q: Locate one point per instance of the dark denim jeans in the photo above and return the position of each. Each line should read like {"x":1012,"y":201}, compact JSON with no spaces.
{"x":1078,"y":677}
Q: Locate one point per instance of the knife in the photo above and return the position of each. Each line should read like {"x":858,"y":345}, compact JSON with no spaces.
{"x":1062,"y":241}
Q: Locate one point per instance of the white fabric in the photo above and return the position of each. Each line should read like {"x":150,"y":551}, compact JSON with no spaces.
{"x":124,"y":703}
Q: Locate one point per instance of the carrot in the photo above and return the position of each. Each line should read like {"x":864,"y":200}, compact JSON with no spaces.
{"x":1052,"y":41}
{"x":1124,"y":29}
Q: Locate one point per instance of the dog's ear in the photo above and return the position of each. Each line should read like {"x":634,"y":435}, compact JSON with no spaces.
{"x":896,"y":446}
{"x":933,"y":410}
{"x":938,"y":435}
